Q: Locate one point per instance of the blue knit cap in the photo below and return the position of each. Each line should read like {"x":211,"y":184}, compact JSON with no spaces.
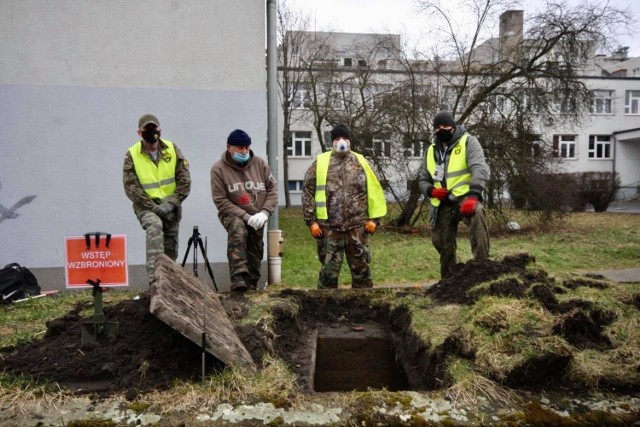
{"x":239,"y":138}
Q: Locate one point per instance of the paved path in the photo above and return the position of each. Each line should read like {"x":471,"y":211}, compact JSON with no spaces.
{"x":625,"y":275}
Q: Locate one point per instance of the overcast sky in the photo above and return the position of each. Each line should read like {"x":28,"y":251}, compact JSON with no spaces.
{"x":401,"y":17}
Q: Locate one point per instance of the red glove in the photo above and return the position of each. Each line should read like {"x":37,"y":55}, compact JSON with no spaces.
{"x":440,"y":193}
{"x":370,"y":227}
{"x":316,"y":231}
{"x":468,"y":207}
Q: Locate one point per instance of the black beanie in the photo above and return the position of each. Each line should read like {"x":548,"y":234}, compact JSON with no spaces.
{"x":239,"y":138}
{"x":340,"y":131}
{"x":443,"y":118}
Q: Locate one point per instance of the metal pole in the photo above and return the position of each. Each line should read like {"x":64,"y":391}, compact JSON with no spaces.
{"x":274,"y":235}
{"x":272,"y":99}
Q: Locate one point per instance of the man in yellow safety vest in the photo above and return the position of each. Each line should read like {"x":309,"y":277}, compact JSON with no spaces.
{"x":342,"y":204}
{"x":453,"y":176}
{"x":157,"y":180}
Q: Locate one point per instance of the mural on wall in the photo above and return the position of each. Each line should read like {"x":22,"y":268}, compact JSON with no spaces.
{"x":12,"y":212}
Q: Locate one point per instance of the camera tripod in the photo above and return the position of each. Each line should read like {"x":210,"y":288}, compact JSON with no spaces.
{"x":196,"y":241}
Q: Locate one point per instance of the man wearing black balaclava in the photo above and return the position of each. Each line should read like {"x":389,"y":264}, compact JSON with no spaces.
{"x":157,"y":180}
{"x":453,"y":177}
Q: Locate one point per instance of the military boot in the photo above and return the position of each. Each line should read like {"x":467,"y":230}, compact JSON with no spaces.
{"x":238,"y":283}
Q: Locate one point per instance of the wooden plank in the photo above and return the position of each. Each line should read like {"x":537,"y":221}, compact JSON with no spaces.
{"x":177,"y":299}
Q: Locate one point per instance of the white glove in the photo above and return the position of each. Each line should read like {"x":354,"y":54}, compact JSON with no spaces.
{"x":258,"y":220}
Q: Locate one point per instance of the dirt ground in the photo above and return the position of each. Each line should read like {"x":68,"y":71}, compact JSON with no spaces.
{"x":148,"y":355}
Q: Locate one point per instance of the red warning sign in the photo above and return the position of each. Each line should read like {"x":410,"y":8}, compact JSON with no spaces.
{"x":91,"y":258}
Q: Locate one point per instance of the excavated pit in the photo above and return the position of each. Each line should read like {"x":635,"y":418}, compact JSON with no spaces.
{"x":356,"y":358}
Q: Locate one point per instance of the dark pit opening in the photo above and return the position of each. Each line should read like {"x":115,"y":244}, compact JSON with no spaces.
{"x":356,"y":357}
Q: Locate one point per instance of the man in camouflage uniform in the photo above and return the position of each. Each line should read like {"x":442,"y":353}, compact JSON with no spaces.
{"x":453,"y":176}
{"x":245,"y":194}
{"x":157,"y":180}
{"x":342,"y":204}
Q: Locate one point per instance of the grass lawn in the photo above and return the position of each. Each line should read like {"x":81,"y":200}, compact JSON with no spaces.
{"x":583,"y":242}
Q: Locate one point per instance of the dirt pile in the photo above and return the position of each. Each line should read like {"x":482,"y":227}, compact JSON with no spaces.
{"x":147,"y":354}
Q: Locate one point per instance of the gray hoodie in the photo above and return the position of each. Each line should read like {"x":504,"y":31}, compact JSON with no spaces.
{"x":243,"y":190}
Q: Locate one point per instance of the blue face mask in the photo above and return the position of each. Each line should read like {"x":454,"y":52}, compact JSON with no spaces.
{"x":241,"y":158}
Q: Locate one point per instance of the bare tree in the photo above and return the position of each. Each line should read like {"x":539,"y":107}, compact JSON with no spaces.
{"x":296,"y":47}
{"x":494,"y":87}
{"x":502,"y":89}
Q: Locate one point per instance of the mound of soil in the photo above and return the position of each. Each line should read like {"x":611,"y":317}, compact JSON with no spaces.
{"x":148,"y":355}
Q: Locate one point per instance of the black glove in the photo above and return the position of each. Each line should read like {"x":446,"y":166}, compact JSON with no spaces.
{"x":163,"y":210}
{"x":170,"y":217}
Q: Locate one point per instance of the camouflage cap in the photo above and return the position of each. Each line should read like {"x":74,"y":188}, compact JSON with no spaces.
{"x":148,"y":119}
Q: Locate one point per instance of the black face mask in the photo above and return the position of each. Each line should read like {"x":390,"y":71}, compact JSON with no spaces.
{"x":151,"y":136}
{"x":444,"y":135}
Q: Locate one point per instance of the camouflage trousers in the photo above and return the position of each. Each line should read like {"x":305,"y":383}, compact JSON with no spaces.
{"x":331,"y":249}
{"x":162,"y":238}
{"x":245,"y":248}
{"x":444,"y":232}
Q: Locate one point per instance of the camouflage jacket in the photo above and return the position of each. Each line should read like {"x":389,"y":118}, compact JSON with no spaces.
{"x":137,"y":195}
{"x":346,"y":191}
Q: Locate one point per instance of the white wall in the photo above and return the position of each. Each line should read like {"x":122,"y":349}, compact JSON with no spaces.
{"x":76,"y":75}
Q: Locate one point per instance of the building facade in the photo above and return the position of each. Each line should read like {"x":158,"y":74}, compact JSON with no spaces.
{"x":76,"y":75}
{"x":606,"y":140}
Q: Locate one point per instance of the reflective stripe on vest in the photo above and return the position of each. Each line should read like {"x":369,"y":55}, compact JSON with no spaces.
{"x":158,"y":181}
{"x":457,"y":174}
{"x":376,"y":202}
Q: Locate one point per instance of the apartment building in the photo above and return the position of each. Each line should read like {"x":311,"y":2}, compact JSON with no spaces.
{"x":608,"y":140}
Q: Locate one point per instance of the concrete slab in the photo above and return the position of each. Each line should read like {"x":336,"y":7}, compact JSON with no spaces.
{"x":185,"y":304}
{"x":625,"y":275}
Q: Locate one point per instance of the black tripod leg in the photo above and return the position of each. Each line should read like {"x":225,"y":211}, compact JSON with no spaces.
{"x":184,"y":260}
{"x":206,"y":261}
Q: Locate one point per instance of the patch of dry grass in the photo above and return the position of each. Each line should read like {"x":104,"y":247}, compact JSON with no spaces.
{"x":470,"y":386}
{"x":274,"y":383}
{"x":21,"y":395}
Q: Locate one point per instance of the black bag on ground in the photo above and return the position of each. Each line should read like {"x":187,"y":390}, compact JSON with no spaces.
{"x":17,"y":282}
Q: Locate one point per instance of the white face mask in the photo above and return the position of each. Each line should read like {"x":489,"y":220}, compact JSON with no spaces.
{"x":341,"y":145}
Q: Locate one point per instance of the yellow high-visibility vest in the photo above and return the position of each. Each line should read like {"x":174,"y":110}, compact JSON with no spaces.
{"x":458,"y":174}
{"x":157,"y":181}
{"x":376,"y":202}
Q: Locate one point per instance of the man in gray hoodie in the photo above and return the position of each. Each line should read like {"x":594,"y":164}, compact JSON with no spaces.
{"x":453,"y":176}
{"x":246,"y":194}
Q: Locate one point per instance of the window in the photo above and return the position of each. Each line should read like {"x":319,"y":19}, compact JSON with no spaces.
{"x":296,"y":186}
{"x":533,"y":100}
{"x":565,"y":103}
{"x":379,"y":148}
{"x":415,"y":148}
{"x":600,"y":147}
{"x":492,"y":104}
{"x":632,"y":102}
{"x":564,"y":146}
{"x":348,"y":62}
{"x":362,"y":63}
{"x":450,"y":96}
{"x":299,"y":144}
{"x":337,"y":96}
{"x":301,"y":99}
{"x":328,"y":143}
{"x":602,"y":101}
